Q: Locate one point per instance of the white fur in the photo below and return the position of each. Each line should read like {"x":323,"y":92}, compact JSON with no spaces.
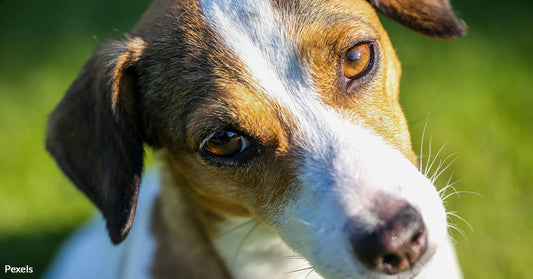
{"x":255,"y":251}
{"x":253,"y":30}
{"x":344,"y":165}
{"x":89,"y":253}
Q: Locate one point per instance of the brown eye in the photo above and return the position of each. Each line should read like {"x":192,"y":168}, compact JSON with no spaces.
{"x":357,"y":61}
{"x":225,"y":144}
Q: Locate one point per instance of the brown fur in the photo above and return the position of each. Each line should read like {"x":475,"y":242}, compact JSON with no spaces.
{"x":432,"y":18}
{"x":186,"y":239}
{"x":374,"y":104}
{"x":170,"y":83}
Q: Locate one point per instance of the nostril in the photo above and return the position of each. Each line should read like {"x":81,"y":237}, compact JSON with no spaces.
{"x":391,"y":261}
{"x":419,"y":240}
{"x":394,"y":247}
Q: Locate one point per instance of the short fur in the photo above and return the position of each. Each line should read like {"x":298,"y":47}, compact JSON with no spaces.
{"x":268,"y":70}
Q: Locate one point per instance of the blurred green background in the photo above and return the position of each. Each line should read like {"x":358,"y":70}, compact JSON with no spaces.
{"x":478,"y":91}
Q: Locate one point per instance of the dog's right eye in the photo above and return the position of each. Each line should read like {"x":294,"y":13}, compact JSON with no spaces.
{"x":225,"y":144}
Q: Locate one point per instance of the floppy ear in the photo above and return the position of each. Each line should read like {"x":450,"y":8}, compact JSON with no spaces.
{"x":432,"y":18}
{"x":95,"y":135}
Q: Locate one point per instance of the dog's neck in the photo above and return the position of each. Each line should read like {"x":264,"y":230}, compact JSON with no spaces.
{"x":194,"y":242}
{"x":184,"y":248}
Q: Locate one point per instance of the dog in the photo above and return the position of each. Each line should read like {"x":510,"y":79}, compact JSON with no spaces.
{"x":282,"y":147}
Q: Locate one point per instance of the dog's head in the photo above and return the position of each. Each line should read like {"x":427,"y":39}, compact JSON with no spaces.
{"x":284,"y":110}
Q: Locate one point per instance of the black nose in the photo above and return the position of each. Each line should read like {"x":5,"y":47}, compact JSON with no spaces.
{"x":396,"y":245}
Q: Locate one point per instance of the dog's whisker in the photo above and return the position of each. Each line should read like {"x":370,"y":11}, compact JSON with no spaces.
{"x":450,"y":179}
{"x":442,"y":162}
{"x":452,"y":240}
{"x":442,"y":191}
{"x":300,"y":270}
{"x":422,"y":143}
{"x":309,"y":273}
{"x":438,"y":173}
{"x":449,"y":184}
{"x":306,"y":223}
{"x":235,"y":228}
{"x":426,"y":169}
{"x":239,"y":247}
{"x":451,"y":194}
{"x":435,"y":159}
{"x":460,"y":231}
{"x":460,"y":192}
{"x":292,"y":257}
{"x":454,"y":214}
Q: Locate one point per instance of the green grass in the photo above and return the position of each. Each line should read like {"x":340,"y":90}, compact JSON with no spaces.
{"x":43,"y":45}
{"x":478,"y":91}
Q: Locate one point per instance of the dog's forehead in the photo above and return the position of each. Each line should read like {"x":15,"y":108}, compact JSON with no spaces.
{"x":270,"y":35}
{"x":252,"y":30}
{"x":273,"y":42}
{"x":288,"y":52}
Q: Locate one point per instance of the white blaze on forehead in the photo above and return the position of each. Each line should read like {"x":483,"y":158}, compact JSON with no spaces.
{"x":253,"y":30}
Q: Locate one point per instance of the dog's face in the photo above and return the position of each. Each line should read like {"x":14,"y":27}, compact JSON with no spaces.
{"x":286,"y":111}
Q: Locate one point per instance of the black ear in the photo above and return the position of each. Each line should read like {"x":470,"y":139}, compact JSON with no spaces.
{"x":95,"y":136}
{"x":432,"y":18}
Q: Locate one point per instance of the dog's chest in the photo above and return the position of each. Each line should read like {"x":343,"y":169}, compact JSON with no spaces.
{"x":251,"y":250}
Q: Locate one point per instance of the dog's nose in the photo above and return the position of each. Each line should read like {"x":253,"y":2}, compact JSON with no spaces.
{"x":396,"y":245}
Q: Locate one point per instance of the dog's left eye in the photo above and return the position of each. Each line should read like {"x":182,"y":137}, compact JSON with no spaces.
{"x":358,"y":60}
{"x":225,"y":144}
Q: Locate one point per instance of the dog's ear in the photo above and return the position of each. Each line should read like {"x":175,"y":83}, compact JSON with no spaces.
{"x":432,"y":18}
{"x":95,"y":135}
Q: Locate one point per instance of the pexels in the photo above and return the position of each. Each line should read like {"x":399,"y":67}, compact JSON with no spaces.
{"x":18,"y":269}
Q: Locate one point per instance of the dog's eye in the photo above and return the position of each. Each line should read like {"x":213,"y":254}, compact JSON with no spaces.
{"x":358,"y":61}
{"x":225,"y":144}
